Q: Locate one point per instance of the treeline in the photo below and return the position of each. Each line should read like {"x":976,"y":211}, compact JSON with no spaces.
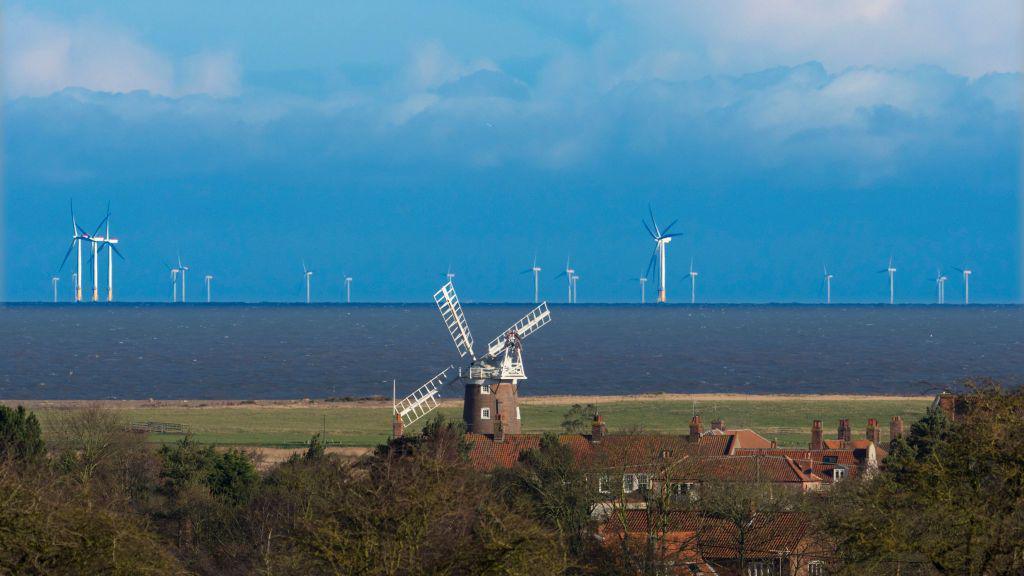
{"x":93,"y":498}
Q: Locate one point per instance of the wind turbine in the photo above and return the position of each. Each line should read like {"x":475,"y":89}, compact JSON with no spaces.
{"x":967,"y":284}
{"x":693,"y":283}
{"x":643,"y":288}
{"x":55,"y":280}
{"x":104,"y":242}
{"x":575,"y":283}
{"x":306,"y":274}
{"x":78,"y":236}
{"x":568,"y":273}
{"x":348,"y":289}
{"x":661,"y":239}
{"x":449,"y":276}
{"x":828,"y":285}
{"x":536,"y":278}
{"x":183,"y":269}
{"x":940,"y":284}
{"x":891,"y":270}
{"x":174,"y":281}
{"x":208,"y":278}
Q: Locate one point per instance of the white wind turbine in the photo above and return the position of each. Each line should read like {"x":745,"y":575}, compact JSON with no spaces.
{"x":348,"y":289}
{"x":536,"y":279}
{"x":693,"y":283}
{"x":643,"y":288}
{"x":183,"y":269}
{"x":306,"y":274}
{"x":209,"y":280}
{"x":575,"y":283}
{"x":891,"y":270}
{"x":828,"y":285}
{"x":940,"y":285}
{"x":55,"y":280}
{"x":78,"y":236}
{"x":568,"y":273}
{"x":661,"y":239}
{"x":174,"y":281}
{"x":107,"y":241}
{"x":967,"y":284}
{"x":449,"y":276}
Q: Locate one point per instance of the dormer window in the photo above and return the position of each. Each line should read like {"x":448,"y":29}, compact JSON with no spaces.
{"x":485,"y":413}
{"x":838,"y":474}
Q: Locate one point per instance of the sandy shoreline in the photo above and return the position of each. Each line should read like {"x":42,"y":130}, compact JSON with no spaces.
{"x":526,"y":400}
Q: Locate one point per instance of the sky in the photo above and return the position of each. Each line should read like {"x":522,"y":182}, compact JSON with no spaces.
{"x":389,"y":141}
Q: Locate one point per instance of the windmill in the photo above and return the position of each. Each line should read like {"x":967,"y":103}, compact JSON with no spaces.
{"x":174,"y":281}
{"x":107,"y":241}
{"x":891,"y":270}
{"x":55,"y":280}
{"x":940,"y":285}
{"x":306,"y":275}
{"x":536,"y":279}
{"x":575,"y":284}
{"x":183,"y":269}
{"x":693,"y":283}
{"x":78,"y":236}
{"x":348,"y":289}
{"x":827,"y":278}
{"x":209,"y":280}
{"x":449,"y":275}
{"x":643,"y":288}
{"x":966,"y":272}
{"x":568,"y":273}
{"x":491,"y":381}
{"x":661,"y":239}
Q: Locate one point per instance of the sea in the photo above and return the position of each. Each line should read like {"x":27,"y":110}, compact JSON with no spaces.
{"x":204,"y":351}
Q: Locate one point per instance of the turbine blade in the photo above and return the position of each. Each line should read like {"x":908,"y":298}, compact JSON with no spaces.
{"x":649,"y":230}
{"x":669,"y":227}
{"x":653,"y":221}
{"x":651,"y":264}
{"x":68,"y":253}
{"x":116,"y":251}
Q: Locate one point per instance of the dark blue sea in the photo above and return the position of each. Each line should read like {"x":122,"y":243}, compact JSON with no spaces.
{"x":293,"y":351}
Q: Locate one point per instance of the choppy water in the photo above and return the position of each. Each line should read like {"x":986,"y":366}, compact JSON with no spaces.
{"x":267,"y":351}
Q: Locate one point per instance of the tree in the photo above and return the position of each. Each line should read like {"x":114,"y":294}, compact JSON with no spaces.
{"x":21,"y":438}
{"x":577,"y":420}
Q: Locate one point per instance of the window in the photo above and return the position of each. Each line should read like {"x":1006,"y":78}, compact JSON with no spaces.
{"x":684,"y":489}
{"x":602,"y":485}
{"x":485,"y":388}
{"x":833,"y":459}
{"x":485,"y":413}
{"x":634,"y":482}
{"x":760,"y":569}
{"x":838,"y":474}
{"x":644,"y":480}
{"x":518,"y":415}
{"x":816,"y":568}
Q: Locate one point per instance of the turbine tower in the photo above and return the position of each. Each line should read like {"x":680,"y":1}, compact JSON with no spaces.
{"x":348,"y":289}
{"x":940,"y":284}
{"x":174,"y":281}
{"x":693,"y":283}
{"x":106,"y":241}
{"x":306,"y":274}
{"x":568,"y":273}
{"x":643,"y":288}
{"x":891,"y":270}
{"x":661,"y":239}
{"x":183,"y":269}
{"x":536,"y":279}
{"x":967,"y":284}
{"x":55,"y":280}
{"x":79,"y":235}
{"x":828,"y":285}
{"x":208,"y":278}
{"x":575,"y":283}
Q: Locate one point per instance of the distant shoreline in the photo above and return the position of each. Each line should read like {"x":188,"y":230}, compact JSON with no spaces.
{"x":555,"y":400}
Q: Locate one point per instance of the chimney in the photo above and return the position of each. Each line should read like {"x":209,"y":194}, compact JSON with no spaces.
{"x":816,"y":436}
{"x":775,"y":443}
{"x":844,"y":430}
{"x":499,"y":428}
{"x":397,"y":427}
{"x":597,"y":429}
{"x":896,"y":428}
{"x":946,"y":401}
{"x":872,"y":432}
{"x":718,"y":424}
{"x":695,"y":428}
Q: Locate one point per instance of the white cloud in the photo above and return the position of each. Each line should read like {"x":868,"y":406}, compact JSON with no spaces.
{"x":44,"y":55}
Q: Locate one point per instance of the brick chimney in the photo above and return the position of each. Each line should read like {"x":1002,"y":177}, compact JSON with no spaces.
{"x":597,"y":429}
{"x":873,"y":432}
{"x":817,"y":443}
{"x":499,"y":428}
{"x":696,"y":429}
{"x":896,"y":428}
{"x":718,"y":424}
{"x":775,"y":443}
{"x":397,"y":427}
{"x":845,"y":434}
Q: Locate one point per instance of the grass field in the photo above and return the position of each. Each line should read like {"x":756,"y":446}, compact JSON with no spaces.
{"x":787,"y":418}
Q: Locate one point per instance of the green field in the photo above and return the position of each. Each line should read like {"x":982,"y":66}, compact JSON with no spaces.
{"x":786,"y":418}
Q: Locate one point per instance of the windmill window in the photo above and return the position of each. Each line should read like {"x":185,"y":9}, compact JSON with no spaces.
{"x":485,"y":413}
{"x":838,"y":474}
{"x":518,"y":415}
{"x":485,"y":388}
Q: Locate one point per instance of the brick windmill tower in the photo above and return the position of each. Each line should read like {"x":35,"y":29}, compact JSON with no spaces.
{"x":491,"y":381}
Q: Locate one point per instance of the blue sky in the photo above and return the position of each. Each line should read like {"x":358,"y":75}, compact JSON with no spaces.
{"x":386,"y":141}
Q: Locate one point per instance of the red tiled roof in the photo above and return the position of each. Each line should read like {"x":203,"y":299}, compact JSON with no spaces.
{"x":718,"y":539}
{"x":747,"y":437}
{"x":746,"y":468}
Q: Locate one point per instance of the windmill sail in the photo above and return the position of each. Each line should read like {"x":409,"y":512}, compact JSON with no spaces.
{"x":451,"y":312}
{"x":526,"y":325}
{"x":423,"y":400}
